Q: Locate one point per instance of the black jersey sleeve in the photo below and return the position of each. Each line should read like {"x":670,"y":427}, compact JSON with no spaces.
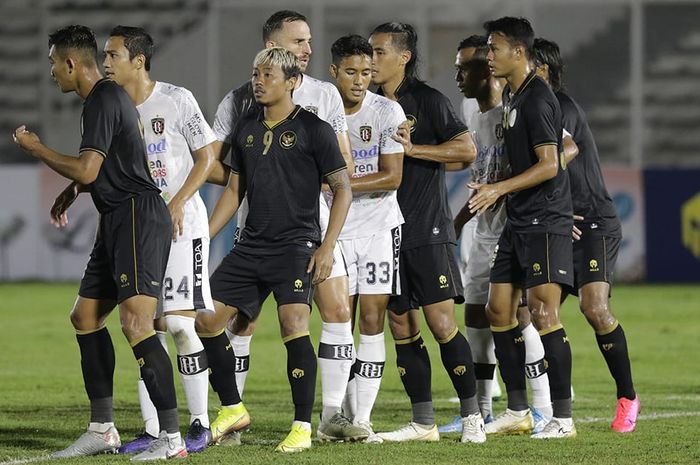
{"x":571,"y":120}
{"x":100,"y":122}
{"x":540,"y":116}
{"x":326,"y":150}
{"x":235,"y":158}
{"x":445,"y":121}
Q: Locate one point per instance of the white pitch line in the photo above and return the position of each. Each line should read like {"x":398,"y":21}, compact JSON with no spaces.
{"x":651,"y":416}
{"x":29,"y":460}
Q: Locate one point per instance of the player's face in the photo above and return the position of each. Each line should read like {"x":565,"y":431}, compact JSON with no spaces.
{"x":352,"y":77}
{"x":502,"y":56}
{"x":60,"y":70}
{"x":117,"y":64}
{"x":472,"y":73}
{"x":387,"y":60}
{"x":295,"y":36}
{"x":269,"y":84}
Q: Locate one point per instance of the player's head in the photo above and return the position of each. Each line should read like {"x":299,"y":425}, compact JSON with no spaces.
{"x":395,"y":51}
{"x":275,"y":73}
{"x":548,"y":62}
{"x":71,"y":48}
{"x":290,"y":30}
{"x":128,"y":52}
{"x":510,"y":44}
{"x":352,"y":67}
{"x":472,"y":67}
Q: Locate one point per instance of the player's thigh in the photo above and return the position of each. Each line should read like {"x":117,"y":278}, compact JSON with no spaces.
{"x":347,"y":247}
{"x":372,"y":313}
{"x":186,"y":282}
{"x":595,"y":305}
{"x":378,"y":263}
{"x":502,"y":304}
{"x":293,"y":319}
{"x":505,"y":267}
{"x":440,"y":317}
{"x":90,"y":314}
{"x":331,"y":297}
{"x":543,"y":301}
{"x":238,"y":283}
{"x":136,"y":315}
{"x":291,"y":286}
{"x":404,"y":325}
{"x":211,"y":323}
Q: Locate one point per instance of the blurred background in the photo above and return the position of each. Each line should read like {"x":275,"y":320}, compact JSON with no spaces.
{"x":633,"y":65}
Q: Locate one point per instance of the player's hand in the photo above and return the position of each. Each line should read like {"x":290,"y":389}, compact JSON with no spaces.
{"x":177,"y":215}
{"x":403,"y":137}
{"x":321,"y":264}
{"x":58,"y":215}
{"x":486,"y":195}
{"x":576,"y":232}
{"x":28,"y":141}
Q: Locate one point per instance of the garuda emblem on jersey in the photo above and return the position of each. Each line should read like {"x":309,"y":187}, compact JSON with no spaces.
{"x":288,"y":139}
{"x":366,"y":133}
{"x":158,"y":125}
{"x":412,"y":122}
{"x":312,"y":109}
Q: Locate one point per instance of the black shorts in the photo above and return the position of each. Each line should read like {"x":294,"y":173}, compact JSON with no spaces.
{"x":529,"y":259}
{"x":244,"y":281}
{"x":429,"y":274}
{"x":594,"y":259}
{"x":130,"y":252}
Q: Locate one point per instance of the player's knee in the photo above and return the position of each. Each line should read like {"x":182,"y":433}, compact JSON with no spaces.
{"x":179,"y":327}
{"x":241,"y":325}
{"x":371,"y":322}
{"x":206,"y":323}
{"x":135,"y":324}
{"x":441,"y":325}
{"x":337,"y":312}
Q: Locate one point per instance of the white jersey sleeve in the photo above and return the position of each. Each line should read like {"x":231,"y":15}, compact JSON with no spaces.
{"x":393,"y":115}
{"x":193,"y":127}
{"x":223,"y":119}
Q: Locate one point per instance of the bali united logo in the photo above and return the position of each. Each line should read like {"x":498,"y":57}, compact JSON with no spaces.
{"x":158,"y":125}
{"x":366,"y":133}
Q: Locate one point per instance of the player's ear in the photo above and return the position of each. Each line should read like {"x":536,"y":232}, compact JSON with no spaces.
{"x":333,"y":69}
{"x":139,"y":60}
{"x":406,"y":57}
{"x":71,"y":64}
{"x":270,"y":44}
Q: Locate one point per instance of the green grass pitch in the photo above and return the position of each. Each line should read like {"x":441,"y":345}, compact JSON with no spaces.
{"x":43,"y":405}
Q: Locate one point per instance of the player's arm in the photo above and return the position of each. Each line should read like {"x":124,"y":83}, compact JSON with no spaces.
{"x":545,"y":169}
{"x":463,"y":216}
{"x":83,"y":169}
{"x":219,"y":173}
{"x":346,"y":151}
{"x":570,"y":147}
{"x":457,"y":166}
{"x":388,"y":178}
{"x":459,"y":149}
{"x":58,"y":213}
{"x":203,"y":163}
{"x":228,"y":203}
{"x":322,"y":260}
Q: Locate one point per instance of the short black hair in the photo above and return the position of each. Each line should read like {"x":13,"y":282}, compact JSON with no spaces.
{"x":276,"y":21}
{"x":517,"y":31}
{"x":547,"y":53}
{"x":478,"y":43}
{"x":403,"y":37}
{"x":137,"y":41}
{"x":76,"y":37}
{"x":348,"y":46}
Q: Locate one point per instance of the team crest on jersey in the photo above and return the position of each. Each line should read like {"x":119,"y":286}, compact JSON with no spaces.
{"x":412,"y":122}
{"x":366,"y":133}
{"x":498,"y":130}
{"x":512,"y":116}
{"x":288,"y":139}
{"x":249,"y":140}
{"x":158,"y":125}
{"x":312,"y":109}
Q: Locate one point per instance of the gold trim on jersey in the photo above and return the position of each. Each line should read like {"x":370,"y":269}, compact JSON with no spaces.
{"x":335,"y":171}
{"x":544,"y":144}
{"x":466,"y":131}
{"x":408,"y":340}
{"x":291,"y":337}
{"x":544,"y":332}
{"x":133,"y":244}
{"x":503,"y":329}
{"x":92,"y":149}
{"x":139,"y":340}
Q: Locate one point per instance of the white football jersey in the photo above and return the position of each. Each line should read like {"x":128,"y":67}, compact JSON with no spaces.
{"x":321,"y":98}
{"x":491,"y":165}
{"x":370,"y":131}
{"x":174,"y":127}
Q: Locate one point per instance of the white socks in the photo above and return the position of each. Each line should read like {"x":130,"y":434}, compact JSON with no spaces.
{"x":483,"y":352}
{"x":241,"y":347}
{"x":335,"y":354}
{"x":535,"y":371}
{"x":371,"y":356}
{"x":148,"y":410}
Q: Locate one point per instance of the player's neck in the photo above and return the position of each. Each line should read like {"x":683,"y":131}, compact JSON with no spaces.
{"x":353,"y":107}
{"x":392,"y":85}
{"x":140,"y":89}
{"x":299,"y":81}
{"x":492,"y":97}
{"x":87,"y":80}
{"x":517,"y":77}
{"x":278,"y":111}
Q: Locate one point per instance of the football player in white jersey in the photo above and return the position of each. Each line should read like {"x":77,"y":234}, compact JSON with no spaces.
{"x":174,"y":131}
{"x":289,"y":29}
{"x":371,"y":237}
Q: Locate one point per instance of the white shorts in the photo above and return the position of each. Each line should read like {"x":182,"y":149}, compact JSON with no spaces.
{"x":465,"y":247}
{"x":186,"y":282}
{"x":476,"y":284}
{"x":373,"y":263}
